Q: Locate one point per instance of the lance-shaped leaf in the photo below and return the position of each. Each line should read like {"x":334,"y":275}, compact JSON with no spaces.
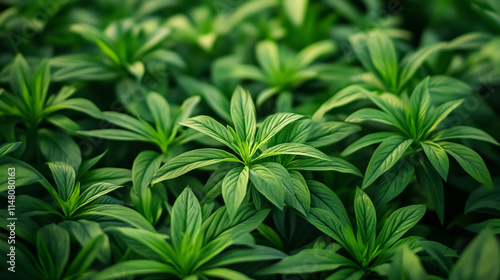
{"x":437,"y":156}
{"x":272,"y":125}
{"x":384,"y":157}
{"x":191,"y":160}
{"x":186,"y":217}
{"x":399,"y":223}
{"x":464,"y":132}
{"x":243,"y":115}
{"x":234,"y":188}
{"x":366,"y":218}
{"x":268,"y":184}
{"x":64,"y":176}
{"x":470,"y":161}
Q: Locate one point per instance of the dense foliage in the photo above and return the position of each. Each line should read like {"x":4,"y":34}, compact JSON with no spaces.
{"x":259,"y":139}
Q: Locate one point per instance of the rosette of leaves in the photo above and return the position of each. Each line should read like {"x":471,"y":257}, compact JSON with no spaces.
{"x":74,"y":203}
{"x":165,"y":118}
{"x":29,"y":106}
{"x":363,"y":249}
{"x":197,"y":248}
{"x":281,"y":70}
{"x":416,"y":146}
{"x":269,"y":178}
{"x":127,"y":48}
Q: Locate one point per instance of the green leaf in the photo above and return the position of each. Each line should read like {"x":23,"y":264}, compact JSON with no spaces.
{"x":133,"y":268}
{"x":186,"y":218}
{"x":112,"y":175}
{"x":225,"y":273}
{"x":398,"y":223}
{"x":215,"y":99}
{"x":313,"y":51}
{"x":430,"y":181}
{"x":64,"y":176}
{"x":470,"y":161}
{"x":95,"y":191}
{"x":130,"y":123}
{"x":366,"y":218}
{"x":253,"y":254}
{"x":234,"y":189}
{"x":143,"y":169}
{"x":272,"y":125}
{"x":267,"y":55}
{"x":436,"y":116}
{"x":480,"y":259}
{"x":20,"y":79}
{"x":296,"y":11}
{"x":297,"y":149}
{"x":85,"y":232}
{"x":76,"y":104}
{"x":345,"y":96}
{"x":147,"y":244}
{"x":333,"y":225}
{"x":493,"y":224}
{"x":384,"y":58}
{"x":191,"y":160}
{"x":52,"y":243}
{"x":419,"y":106}
{"x":307,"y":261}
{"x":268,"y":184}
{"x":484,"y":198}
{"x":160,"y":111}
{"x":243,"y":115}
{"x":406,"y":265}
{"x":86,"y":256}
{"x":392,"y":184}
{"x":300,"y":197}
{"x":443,"y":89}
{"x":366,"y":141}
{"x":327,"y":133}
{"x":466,"y":132}
{"x":437,"y":156}
{"x":115,"y":215}
{"x":370,"y":114}
{"x":59,"y":147}
{"x":208,"y":126}
{"x":8,"y":148}
{"x":98,"y":37}
{"x":334,"y":164}
{"x":384,"y":157}
{"x":412,"y":62}
{"x":116,"y":134}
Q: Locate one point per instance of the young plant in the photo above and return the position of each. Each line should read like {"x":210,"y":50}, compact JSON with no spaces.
{"x":127,"y":47}
{"x":53,"y":259}
{"x":368,"y":249}
{"x":197,"y":248}
{"x":165,"y":118}
{"x":377,"y":53}
{"x":270,"y":179}
{"x":280,"y":69}
{"x":75,"y":204}
{"x":30,"y":104}
{"x":416,"y":145}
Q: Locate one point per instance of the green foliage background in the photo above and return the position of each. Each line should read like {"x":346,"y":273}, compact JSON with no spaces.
{"x":260,"y":139}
